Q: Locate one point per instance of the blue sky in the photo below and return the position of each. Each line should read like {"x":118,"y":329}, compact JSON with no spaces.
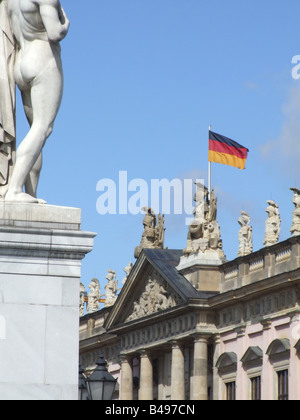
{"x":143,"y":81}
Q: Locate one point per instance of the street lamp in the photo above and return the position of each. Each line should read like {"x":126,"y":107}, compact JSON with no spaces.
{"x":82,"y":387}
{"x":101,"y":384}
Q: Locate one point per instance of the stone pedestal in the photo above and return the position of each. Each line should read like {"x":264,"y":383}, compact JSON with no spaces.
{"x":41,"y":248}
{"x":202,"y":269}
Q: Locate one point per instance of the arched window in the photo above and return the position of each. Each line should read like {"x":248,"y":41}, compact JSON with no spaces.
{"x":252,"y":363}
{"x":227,"y":369}
{"x":279,"y":355}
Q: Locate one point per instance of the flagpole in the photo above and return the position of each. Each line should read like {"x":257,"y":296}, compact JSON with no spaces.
{"x":209,"y":168}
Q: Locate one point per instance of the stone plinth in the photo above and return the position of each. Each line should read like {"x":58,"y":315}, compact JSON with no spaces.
{"x":41,"y":248}
{"x":202,"y":269}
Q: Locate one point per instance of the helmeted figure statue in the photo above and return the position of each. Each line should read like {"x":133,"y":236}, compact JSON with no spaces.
{"x":31,"y":58}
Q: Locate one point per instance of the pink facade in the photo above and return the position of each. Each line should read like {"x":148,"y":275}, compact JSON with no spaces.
{"x":209,"y":332}
{"x":278,"y":337}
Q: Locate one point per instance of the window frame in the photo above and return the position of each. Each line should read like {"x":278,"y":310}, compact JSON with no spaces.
{"x":231,"y":384}
{"x":284,"y":396}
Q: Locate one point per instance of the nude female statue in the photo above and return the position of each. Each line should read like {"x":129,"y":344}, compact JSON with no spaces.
{"x":38,"y":26}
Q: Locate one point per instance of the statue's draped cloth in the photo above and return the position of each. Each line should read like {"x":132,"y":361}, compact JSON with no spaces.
{"x":7,"y":97}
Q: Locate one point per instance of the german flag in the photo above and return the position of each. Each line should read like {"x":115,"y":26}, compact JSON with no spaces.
{"x":226,"y":151}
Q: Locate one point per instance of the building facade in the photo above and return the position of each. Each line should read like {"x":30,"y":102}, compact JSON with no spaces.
{"x":193,"y":328}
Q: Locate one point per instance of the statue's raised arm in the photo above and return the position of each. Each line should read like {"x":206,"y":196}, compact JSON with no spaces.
{"x":37,"y":27}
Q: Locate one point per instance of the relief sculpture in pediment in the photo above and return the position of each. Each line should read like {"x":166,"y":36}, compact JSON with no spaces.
{"x":157,"y":296}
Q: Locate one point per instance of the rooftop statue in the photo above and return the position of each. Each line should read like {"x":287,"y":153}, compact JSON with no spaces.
{"x":127,"y":270}
{"x":273,"y":224}
{"x":30,"y":58}
{"x":204,"y":231}
{"x":295,"y":229}
{"x":94,"y":296}
{"x":245,"y":235}
{"x":111,"y":288}
{"x":154,"y":232}
{"x":82,"y":296}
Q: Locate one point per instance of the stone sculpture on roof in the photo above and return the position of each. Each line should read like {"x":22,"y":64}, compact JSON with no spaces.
{"x":245,"y":235}
{"x":295,"y":229}
{"x":127,"y":270}
{"x":111,"y":288}
{"x":82,"y":296}
{"x":204,"y":231}
{"x":273,"y":224}
{"x":94,"y":296}
{"x":154,"y":232}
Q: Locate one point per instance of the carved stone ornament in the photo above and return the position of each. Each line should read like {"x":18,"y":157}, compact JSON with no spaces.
{"x":157,"y":296}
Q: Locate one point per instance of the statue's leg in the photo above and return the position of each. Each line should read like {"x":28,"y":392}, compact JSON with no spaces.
{"x":32,"y":180}
{"x":34,"y":175}
{"x":46,"y":94}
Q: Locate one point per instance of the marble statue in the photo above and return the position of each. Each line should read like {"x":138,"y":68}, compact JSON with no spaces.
{"x":111,"y":289}
{"x":7,"y":99}
{"x":93,"y":297}
{"x":33,"y":29}
{"x":127,"y":270}
{"x":154,"y":232}
{"x":245,"y":235}
{"x":295,"y":229}
{"x":204,"y":231}
{"x":273,"y":224}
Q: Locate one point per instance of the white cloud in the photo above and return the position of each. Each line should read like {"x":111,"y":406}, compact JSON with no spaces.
{"x":286,"y":148}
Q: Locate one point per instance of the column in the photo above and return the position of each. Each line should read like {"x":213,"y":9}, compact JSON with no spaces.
{"x":126,"y":379}
{"x":177,"y":374}
{"x":199,"y":389}
{"x":216,"y":377}
{"x":146,"y":377}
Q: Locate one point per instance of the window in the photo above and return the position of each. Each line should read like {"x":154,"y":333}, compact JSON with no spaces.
{"x":256,"y":388}
{"x":283,"y":385}
{"x":230,"y":391}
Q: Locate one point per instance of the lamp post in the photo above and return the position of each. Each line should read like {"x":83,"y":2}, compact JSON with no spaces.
{"x":100,"y":384}
{"x":82,"y":387}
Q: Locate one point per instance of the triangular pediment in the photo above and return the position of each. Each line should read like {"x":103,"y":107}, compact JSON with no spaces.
{"x":153,"y":287}
{"x":156,"y":296}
